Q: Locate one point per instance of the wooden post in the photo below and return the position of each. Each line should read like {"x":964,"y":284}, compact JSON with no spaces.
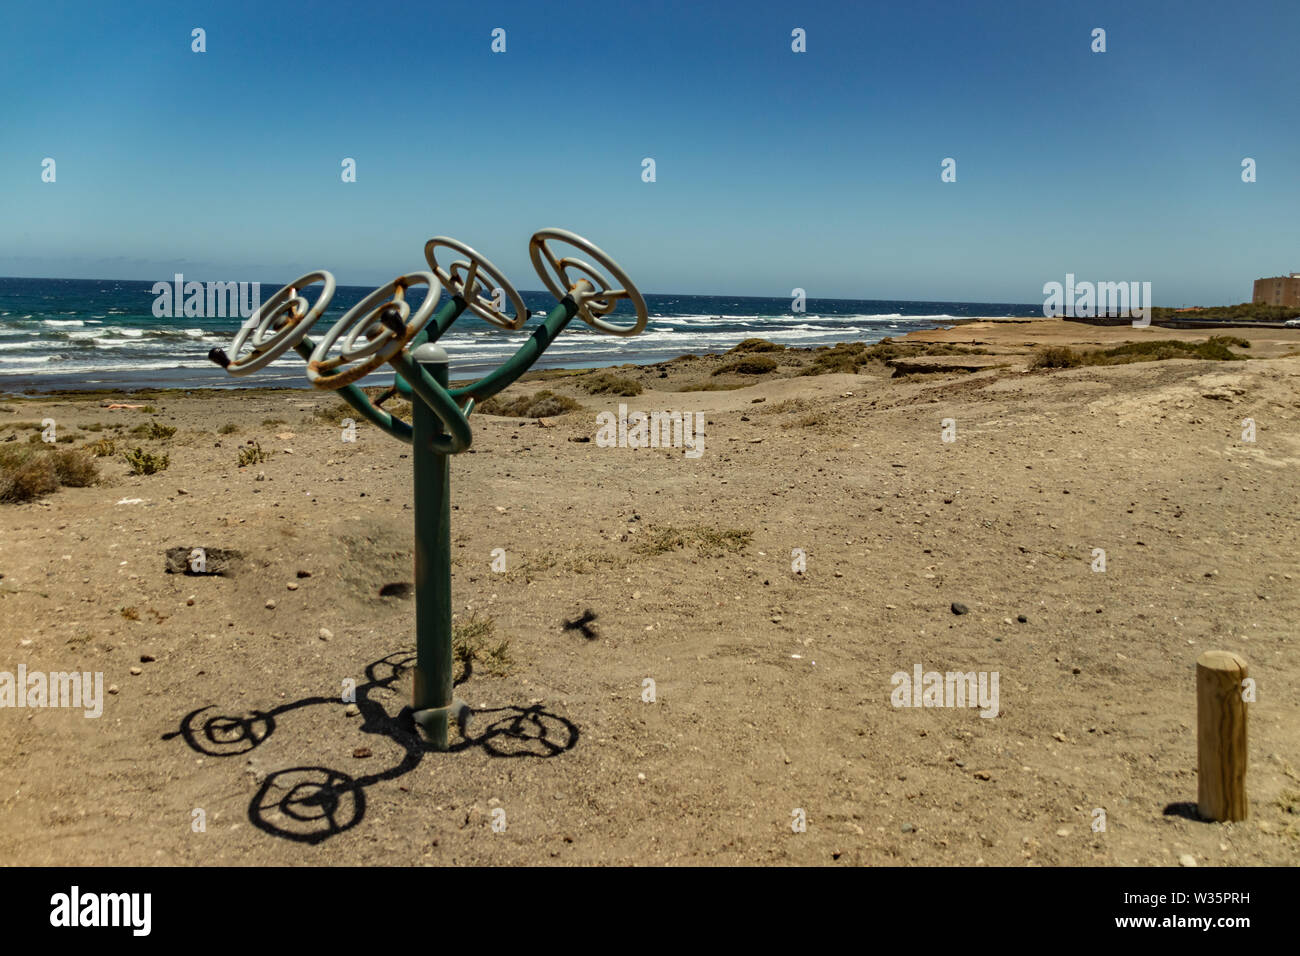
{"x":1221,"y":736}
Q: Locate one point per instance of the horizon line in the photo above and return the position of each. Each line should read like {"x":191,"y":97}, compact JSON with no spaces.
{"x":698,"y":295}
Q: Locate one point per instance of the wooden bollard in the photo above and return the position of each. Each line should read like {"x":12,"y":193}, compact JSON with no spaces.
{"x":1221,"y":736}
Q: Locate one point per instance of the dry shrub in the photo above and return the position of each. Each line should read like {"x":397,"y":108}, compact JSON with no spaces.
{"x":756,"y":345}
{"x":75,"y":468}
{"x":543,"y":404}
{"x":607,"y":384}
{"x":26,"y":473}
{"x":759,"y":365}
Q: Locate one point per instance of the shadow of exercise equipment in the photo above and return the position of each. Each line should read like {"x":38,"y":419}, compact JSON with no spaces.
{"x":310,"y":804}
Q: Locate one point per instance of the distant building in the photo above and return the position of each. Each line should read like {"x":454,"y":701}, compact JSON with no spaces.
{"x":1279,"y":290}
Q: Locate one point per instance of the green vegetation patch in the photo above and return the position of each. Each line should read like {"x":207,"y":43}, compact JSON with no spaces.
{"x":1217,"y":348}
{"x":759,"y":365}
{"x":852,"y":356}
{"x":474,"y":646}
{"x":253,"y":454}
{"x":756,"y":345}
{"x":1242,"y":312}
{"x":142,"y":462}
{"x":154,"y":430}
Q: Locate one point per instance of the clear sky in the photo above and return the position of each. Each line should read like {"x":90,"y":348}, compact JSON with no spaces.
{"x":774,"y":169}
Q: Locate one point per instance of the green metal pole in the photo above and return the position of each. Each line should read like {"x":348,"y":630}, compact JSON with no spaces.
{"x":432,"y":703}
{"x":439,"y":323}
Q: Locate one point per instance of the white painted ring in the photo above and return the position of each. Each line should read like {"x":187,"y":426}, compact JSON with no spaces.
{"x":480,"y":305}
{"x":537,"y":246}
{"x":268,"y":340}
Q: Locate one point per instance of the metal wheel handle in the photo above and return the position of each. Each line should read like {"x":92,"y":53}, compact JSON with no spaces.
{"x":382,"y":317}
{"x":463,"y":281}
{"x":278,"y":325}
{"x":592,"y":306}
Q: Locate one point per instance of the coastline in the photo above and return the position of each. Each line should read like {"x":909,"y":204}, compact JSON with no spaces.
{"x":76,"y":334}
{"x":1014,"y":336}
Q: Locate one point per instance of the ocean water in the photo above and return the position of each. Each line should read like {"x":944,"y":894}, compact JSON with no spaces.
{"x":102,"y":333}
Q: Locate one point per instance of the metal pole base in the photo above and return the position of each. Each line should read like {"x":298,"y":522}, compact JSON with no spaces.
{"x":434,"y":723}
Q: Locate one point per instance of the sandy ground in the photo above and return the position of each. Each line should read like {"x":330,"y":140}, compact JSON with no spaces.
{"x":772,"y":689}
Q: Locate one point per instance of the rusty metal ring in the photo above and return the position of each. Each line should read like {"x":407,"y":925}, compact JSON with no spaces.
{"x":384,"y":342}
{"x":269,"y":339}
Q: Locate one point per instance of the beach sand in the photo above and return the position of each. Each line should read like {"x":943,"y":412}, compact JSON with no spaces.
{"x":772,"y":688}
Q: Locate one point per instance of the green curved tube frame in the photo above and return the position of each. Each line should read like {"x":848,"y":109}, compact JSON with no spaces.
{"x":523,"y":359}
{"x":510,"y":371}
{"x":439,"y":323}
{"x":413,"y":381}
{"x":437,"y":399}
{"x":353,"y":395}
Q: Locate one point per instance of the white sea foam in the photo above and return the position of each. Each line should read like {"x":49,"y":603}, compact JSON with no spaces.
{"x":73,"y":367}
{"x":57,"y":347}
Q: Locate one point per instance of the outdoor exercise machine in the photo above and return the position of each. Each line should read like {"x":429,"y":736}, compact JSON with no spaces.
{"x":380,"y":329}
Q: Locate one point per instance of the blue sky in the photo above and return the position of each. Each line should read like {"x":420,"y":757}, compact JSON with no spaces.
{"x":774,"y":169}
